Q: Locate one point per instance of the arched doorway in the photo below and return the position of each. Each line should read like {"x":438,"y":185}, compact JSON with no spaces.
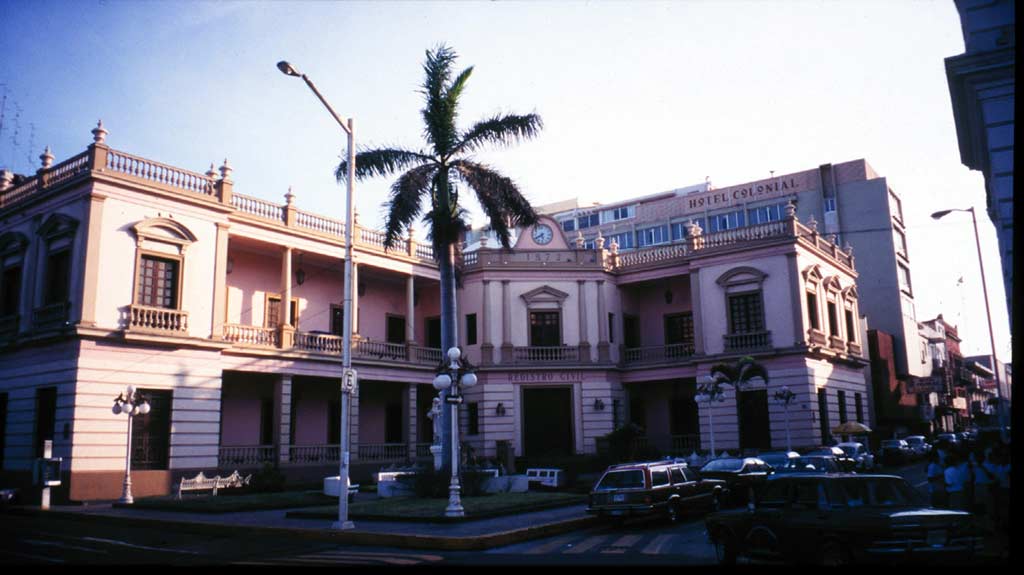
{"x":752,"y":409}
{"x":547,"y":421}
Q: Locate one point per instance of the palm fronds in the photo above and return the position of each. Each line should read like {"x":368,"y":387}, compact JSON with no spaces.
{"x":502,"y":130}
{"x":406,"y":197}
{"x":499,"y":197}
{"x":381,"y":162}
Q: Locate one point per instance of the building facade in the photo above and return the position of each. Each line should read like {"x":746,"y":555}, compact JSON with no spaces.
{"x":225,"y":310}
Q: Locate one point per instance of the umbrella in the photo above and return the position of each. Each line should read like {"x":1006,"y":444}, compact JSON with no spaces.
{"x":851,"y":428}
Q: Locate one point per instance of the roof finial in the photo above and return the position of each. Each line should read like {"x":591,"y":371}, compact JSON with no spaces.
{"x":99,"y":135}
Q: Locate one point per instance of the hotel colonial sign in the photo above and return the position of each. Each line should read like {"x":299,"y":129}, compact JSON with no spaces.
{"x":762,"y":190}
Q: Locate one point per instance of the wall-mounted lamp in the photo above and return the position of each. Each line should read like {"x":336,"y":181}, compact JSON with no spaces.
{"x":500,"y":409}
{"x":598,"y":405}
{"x":300,"y":274}
{"x":231,"y":265}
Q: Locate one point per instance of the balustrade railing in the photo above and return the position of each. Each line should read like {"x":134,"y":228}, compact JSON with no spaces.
{"x":149,"y":170}
{"x":382,"y":451}
{"x":546,"y":354}
{"x":748,"y":341}
{"x":652,"y":255}
{"x":369,"y":349}
{"x":258,"y":207}
{"x":66,"y":170}
{"x":329,"y":453}
{"x":245,"y":455}
{"x":319,"y":223}
{"x":426,"y":355}
{"x":251,"y":335}
{"x":321,"y":342}
{"x":657,"y":354}
{"x":51,"y":315}
{"x":423,"y":450}
{"x":744,"y":234}
{"x":157,"y":319}
{"x":425,"y":252}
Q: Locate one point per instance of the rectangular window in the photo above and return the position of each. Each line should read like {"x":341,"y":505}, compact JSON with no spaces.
{"x":900,"y":241}
{"x":473,"y":418}
{"x":616,"y":214}
{"x":631,"y":331}
{"x":266,"y":421}
{"x":652,"y":236}
{"x":842,"y":405}
{"x":624,"y":239}
{"x":830,"y":204}
{"x":545,"y":329}
{"x":158,"y":282}
{"x":395,"y":329}
{"x":903,"y":273}
{"x":337,"y":320}
{"x":10,"y":291}
{"x":895,"y":206}
{"x":823,"y":416}
{"x":584,"y":222}
{"x":729,"y":221}
{"x":470,"y":329}
{"x":765,"y":214}
{"x":681,"y":230}
{"x":679,"y":328}
{"x":151,"y":433}
{"x":46,"y":417}
{"x":569,"y":225}
{"x":611,"y":328}
{"x":833,"y":319}
{"x":274,"y":311}
{"x":858,"y":407}
{"x":58,"y":277}
{"x":433,"y":325}
{"x":812,"y":310}
{"x":746,"y":314}
{"x":851,"y":330}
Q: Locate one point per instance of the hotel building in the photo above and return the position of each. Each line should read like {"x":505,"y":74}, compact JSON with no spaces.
{"x":225,"y":310}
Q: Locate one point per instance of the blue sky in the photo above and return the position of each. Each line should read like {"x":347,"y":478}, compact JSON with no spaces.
{"x":636,"y":97}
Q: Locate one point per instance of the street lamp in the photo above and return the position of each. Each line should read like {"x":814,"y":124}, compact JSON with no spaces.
{"x":709,"y":390}
{"x":456,"y":375}
{"x":785,"y":396}
{"x":131,"y":403}
{"x":988,"y":313}
{"x":348,"y":378}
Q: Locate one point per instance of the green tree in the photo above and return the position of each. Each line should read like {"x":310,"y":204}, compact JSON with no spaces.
{"x":439,"y":173}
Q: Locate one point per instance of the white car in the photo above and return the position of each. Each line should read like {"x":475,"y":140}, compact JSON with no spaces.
{"x":860,"y":454}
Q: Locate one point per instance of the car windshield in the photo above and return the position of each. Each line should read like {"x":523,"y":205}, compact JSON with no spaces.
{"x":625,"y":479}
{"x":873,"y":492}
{"x":891,"y":443}
{"x":723,"y":465}
{"x":810,"y":464}
{"x":775,"y":459}
{"x":914,"y":440}
{"x":822,"y":451}
{"x":849,"y":449}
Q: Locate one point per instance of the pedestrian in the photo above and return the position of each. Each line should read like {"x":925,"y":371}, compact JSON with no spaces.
{"x":1001,"y":469}
{"x":965,"y":467}
{"x":936,"y":482}
{"x":954,"y":483}
{"x":983,"y":482}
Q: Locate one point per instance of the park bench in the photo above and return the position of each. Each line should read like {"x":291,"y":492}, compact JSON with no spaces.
{"x":551,"y":478}
{"x":201,"y":482}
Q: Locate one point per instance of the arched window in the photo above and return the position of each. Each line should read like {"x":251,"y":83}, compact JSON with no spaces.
{"x":744,"y":302}
{"x":12,"y":265}
{"x":812,"y":299}
{"x":833,"y":302}
{"x":58,"y":236}
{"x":161,"y":245}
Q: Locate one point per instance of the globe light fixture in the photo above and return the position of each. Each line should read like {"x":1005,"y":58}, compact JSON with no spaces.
{"x":131,"y":402}
{"x":457,"y":375}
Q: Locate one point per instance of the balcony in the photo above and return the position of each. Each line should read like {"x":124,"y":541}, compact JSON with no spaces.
{"x":320,"y":454}
{"x":816,"y":337}
{"x":245,"y":455}
{"x":156,"y":320}
{"x":534,"y":355}
{"x":673,"y":353}
{"x":250,"y":336}
{"x":743,"y":342}
{"x":51,"y":315}
{"x":837,"y":343}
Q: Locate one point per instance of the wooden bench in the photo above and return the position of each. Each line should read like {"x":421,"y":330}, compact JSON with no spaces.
{"x":202,"y":483}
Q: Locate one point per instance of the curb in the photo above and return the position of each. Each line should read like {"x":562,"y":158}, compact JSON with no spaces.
{"x":356,"y":537}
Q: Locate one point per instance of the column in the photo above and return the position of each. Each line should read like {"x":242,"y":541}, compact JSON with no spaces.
{"x":581,"y":288}
{"x":410,"y":321}
{"x":355,"y":298}
{"x":506,"y":324}
{"x":220,"y":278}
{"x":285,"y":327}
{"x":486,"y":347}
{"x":412,"y":419}
{"x":698,"y":312}
{"x":797,"y":302}
{"x":603,"y":353}
{"x":91,"y":279}
{"x":283,"y":416}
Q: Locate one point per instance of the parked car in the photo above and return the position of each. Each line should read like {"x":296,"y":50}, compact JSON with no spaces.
{"x":918,"y":445}
{"x":846,"y":463}
{"x":862,"y":458}
{"x":895,"y":452}
{"x":741,"y":474}
{"x":947,"y":441}
{"x":810,"y":464}
{"x":653,"y":488}
{"x":843,"y":518}
{"x":777,"y":459}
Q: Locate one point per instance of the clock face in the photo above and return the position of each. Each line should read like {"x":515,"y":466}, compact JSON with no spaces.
{"x":542,"y":234}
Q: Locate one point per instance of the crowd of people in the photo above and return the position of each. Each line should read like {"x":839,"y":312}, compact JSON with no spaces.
{"x":975,"y":480}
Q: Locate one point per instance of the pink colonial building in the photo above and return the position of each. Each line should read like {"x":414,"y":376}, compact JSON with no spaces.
{"x":226,"y":311}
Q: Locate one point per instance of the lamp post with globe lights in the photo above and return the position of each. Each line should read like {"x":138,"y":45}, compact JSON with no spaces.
{"x":132,"y":402}
{"x":456,"y":375}
{"x":709,"y":390}
{"x":348,"y":378}
{"x":785,"y":397}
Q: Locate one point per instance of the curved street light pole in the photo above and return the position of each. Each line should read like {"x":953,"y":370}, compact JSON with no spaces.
{"x":348,"y":379}
{"x":988,"y":313}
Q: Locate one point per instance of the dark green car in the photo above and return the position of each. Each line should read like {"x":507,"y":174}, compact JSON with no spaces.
{"x":842,"y":518}
{"x":664,"y":488}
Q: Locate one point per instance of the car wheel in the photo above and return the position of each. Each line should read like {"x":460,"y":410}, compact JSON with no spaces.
{"x":833,"y":554}
{"x":716,"y":502}
{"x":673,"y":512}
{"x":725,"y":549}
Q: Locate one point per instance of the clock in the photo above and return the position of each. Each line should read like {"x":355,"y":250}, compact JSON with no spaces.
{"x":542,"y":234}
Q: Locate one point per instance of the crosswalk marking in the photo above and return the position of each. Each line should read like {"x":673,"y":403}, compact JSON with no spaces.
{"x":549,"y":546}
{"x":587,"y":544}
{"x":346,"y":557}
{"x":622,"y":544}
{"x":655,"y":546}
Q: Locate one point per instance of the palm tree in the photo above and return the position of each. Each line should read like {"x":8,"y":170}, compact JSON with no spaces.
{"x":438,"y":173}
{"x":737,"y":375}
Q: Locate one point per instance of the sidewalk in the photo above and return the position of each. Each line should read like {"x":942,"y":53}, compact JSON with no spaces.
{"x":470,"y":535}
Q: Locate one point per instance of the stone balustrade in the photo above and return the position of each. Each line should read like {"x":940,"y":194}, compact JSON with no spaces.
{"x":157,"y":320}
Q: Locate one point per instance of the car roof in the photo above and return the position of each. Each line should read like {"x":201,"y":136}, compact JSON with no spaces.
{"x":822,"y":474}
{"x":645,"y":465}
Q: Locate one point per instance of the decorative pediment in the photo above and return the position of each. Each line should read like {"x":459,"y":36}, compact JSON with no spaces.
{"x":13,"y":243}
{"x":850,"y":292}
{"x":163,"y":230}
{"x":740,"y":276}
{"x":58,"y":225}
{"x":831,"y":283}
{"x":544,"y":296}
{"x":813,"y":273}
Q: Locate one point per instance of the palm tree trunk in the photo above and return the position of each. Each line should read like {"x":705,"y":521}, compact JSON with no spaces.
{"x":449,"y":339}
